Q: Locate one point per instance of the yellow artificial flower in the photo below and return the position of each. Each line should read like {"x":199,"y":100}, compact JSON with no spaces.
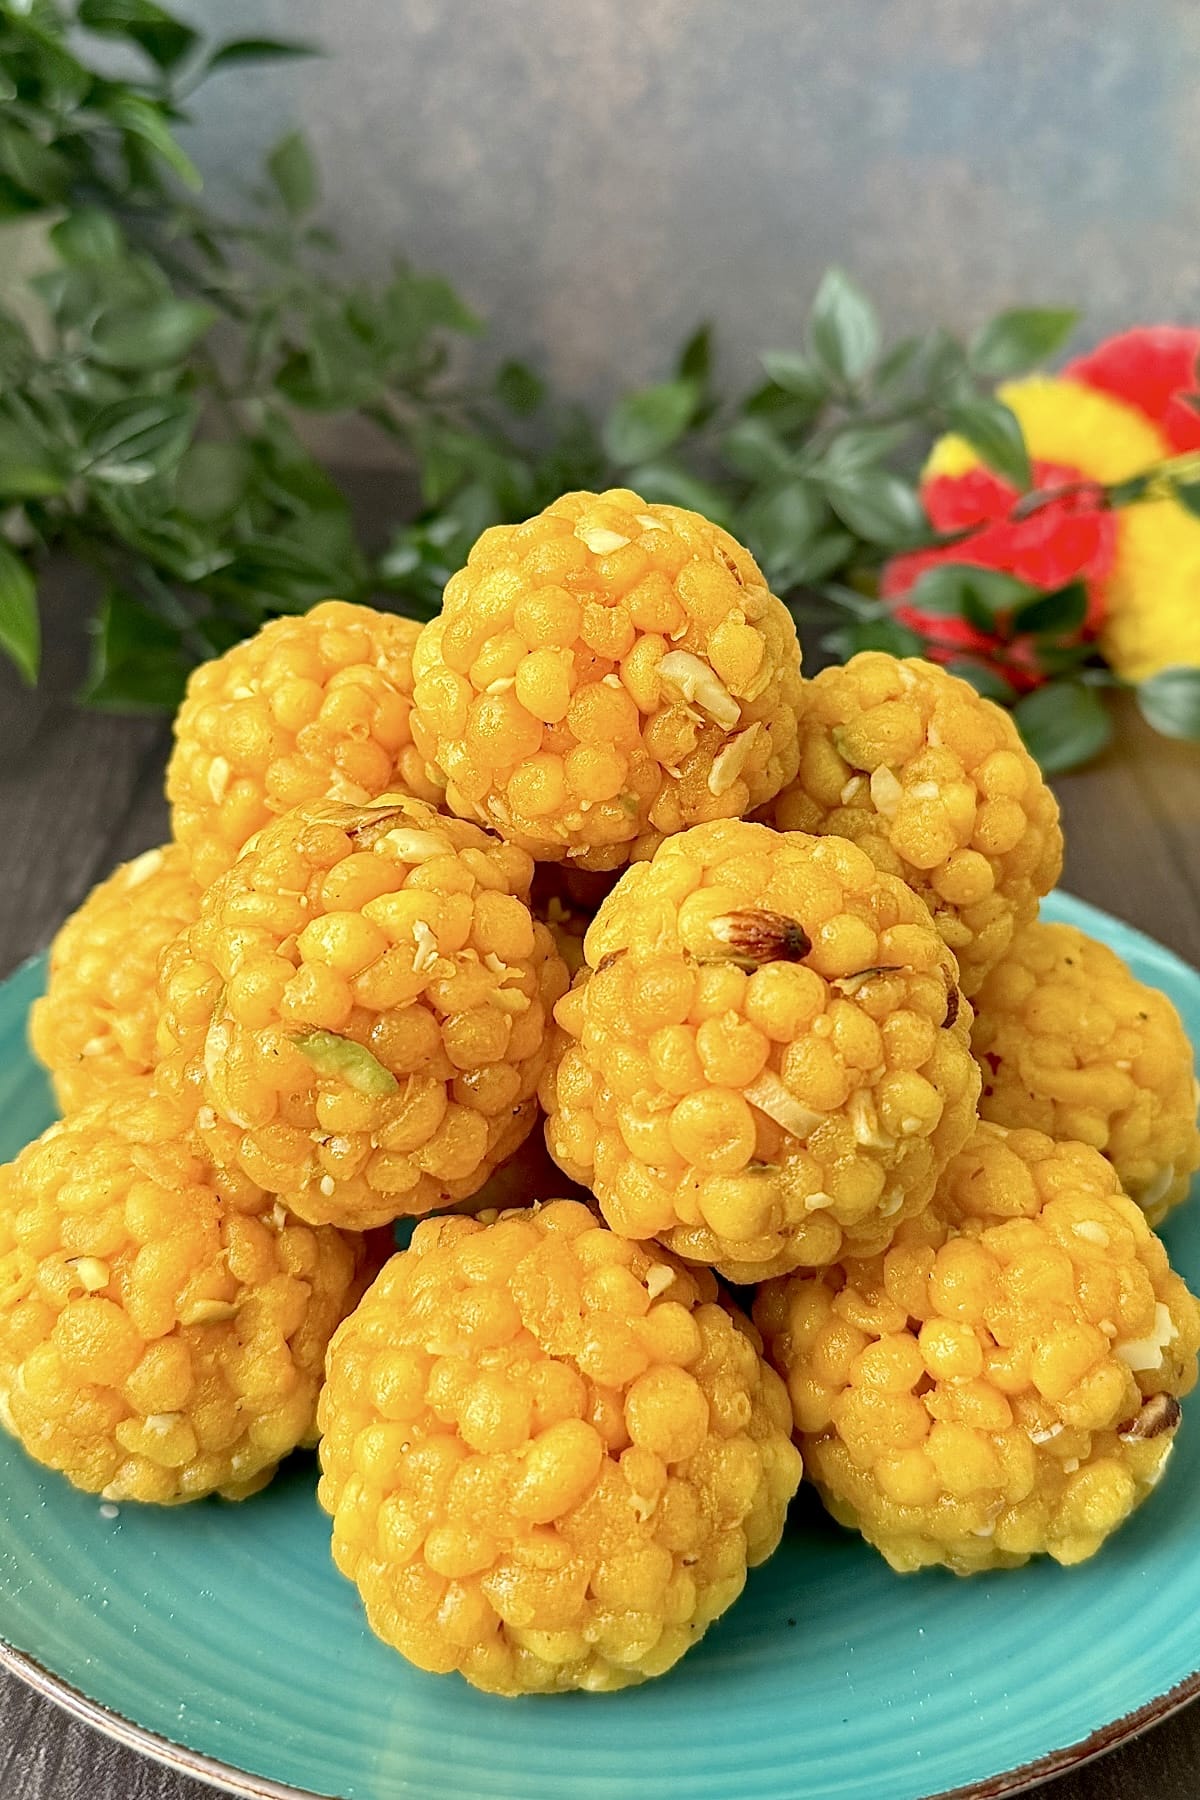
{"x":1152,"y":617}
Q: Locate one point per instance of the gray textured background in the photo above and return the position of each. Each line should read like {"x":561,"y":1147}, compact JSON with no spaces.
{"x":598,"y":173}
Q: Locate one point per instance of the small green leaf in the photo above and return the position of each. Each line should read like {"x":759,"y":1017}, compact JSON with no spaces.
{"x":1063,"y":724}
{"x":1067,"y":659}
{"x":131,"y":441}
{"x":520,"y":388}
{"x":138,"y":663}
{"x":90,"y":235}
{"x":61,"y":79}
{"x":984,"y":679}
{"x":291,"y":168}
{"x":212,"y":479}
{"x":857,"y":447}
{"x":755,"y":449}
{"x":643,"y":424}
{"x":1170,"y":701}
{"x":1014,"y":342}
{"x":994,"y":431}
{"x":1188,"y":495}
{"x":286,"y":574}
{"x":149,"y":337}
{"x":37,"y":169}
{"x":843,"y":329}
{"x":27,"y":470}
{"x":695,"y":360}
{"x":342,"y":1059}
{"x":1059,"y":613}
{"x":670,"y":485}
{"x":166,"y":41}
{"x":20,"y":635}
{"x":1118,"y":494}
{"x":239,"y":51}
{"x":418,"y":304}
{"x":895,"y":368}
{"x":797,"y":375}
{"x":949,"y":588}
{"x":148,"y":125}
{"x":823,"y":557}
{"x":939,"y":364}
{"x":879,"y":506}
{"x":16,"y":350}
{"x":781,"y":526}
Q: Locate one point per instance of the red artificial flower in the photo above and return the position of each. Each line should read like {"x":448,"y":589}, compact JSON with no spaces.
{"x":1071,"y":538}
{"x":1150,"y":368}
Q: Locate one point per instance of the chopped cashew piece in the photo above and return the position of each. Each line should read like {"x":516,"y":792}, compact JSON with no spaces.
{"x":695,"y":681}
{"x":729,"y":762}
{"x":1141,"y":1354}
{"x":218,"y":779}
{"x":768,"y":1095}
{"x":413,"y":846}
{"x":599,"y":540}
{"x":427,"y":947}
{"x":886,"y":792}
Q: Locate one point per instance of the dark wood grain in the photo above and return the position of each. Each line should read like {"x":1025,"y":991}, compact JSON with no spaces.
{"x":79,"y":792}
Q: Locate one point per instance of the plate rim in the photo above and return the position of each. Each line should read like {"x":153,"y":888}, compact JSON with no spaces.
{"x":165,"y":1751}
{"x":227,"y":1778}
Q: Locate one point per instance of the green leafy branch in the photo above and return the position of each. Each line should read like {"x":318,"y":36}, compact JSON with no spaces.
{"x":156,"y":375}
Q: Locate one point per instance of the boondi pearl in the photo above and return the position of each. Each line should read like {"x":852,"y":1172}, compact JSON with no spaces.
{"x":162,"y":1326}
{"x":562,"y":1490}
{"x":310,"y":708}
{"x":1072,"y":1044}
{"x":606,"y":673}
{"x":760,"y":1061}
{"x":934,"y":782}
{"x":1003,"y":1381}
{"x":96,"y":1024}
{"x":360,"y":1010}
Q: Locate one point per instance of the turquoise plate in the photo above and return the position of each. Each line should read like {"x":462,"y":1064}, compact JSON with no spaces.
{"x":220,"y":1639}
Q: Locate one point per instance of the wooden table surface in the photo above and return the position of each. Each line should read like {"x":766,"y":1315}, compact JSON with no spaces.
{"x":80,"y":792}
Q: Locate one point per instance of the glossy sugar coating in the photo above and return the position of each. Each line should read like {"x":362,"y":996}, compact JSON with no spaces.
{"x":310,"y":708}
{"x":935,"y":785}
{"x":95,"y":1025}
{"x":766,"y":1059}
{"x":360,"y":1012}
{"x":1003,"y":1382}
{"x":162,"y":1328}
{"x":605,"y":674}
{"x":550,"y":1453}
{"x":1073,"y":1044}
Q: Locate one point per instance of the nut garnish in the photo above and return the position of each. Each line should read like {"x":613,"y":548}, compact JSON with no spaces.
{"x":695,"y":681}
{"x":850,"y":984}
{"x":757,"y":936}
{"x":729,"y":762}
{"x":768,"y":1095}
{"x":1160,"y":1413}
{"x":342,"y":1059}
{"x":599,"y":540}
{"x":886,"y":792}
{"x":1140,"y":1354}
{"x":208,"y":1312}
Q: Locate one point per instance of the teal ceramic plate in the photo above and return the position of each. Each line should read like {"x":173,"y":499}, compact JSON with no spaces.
{"x":219,"y":1638}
